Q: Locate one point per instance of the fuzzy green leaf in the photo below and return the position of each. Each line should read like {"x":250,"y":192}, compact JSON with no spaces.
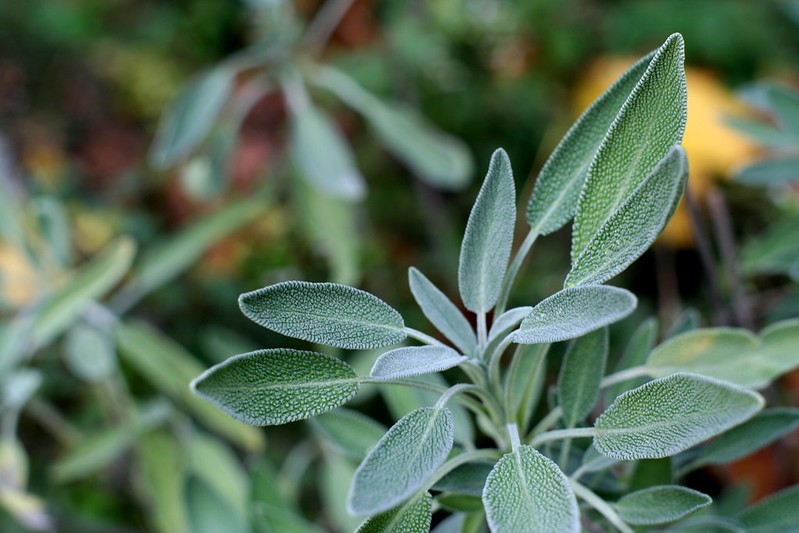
{"x":404,"y":459}
{"x":650,"y":122}
{"x":582,"y":370}
{"x":271,"y":387}
{"x":634,"y":225}
{"x":351,"y":432}
{"x":89,"y":353}
{"x":784,"y":105}
{"x":469,"y":478}
{"x":573,"y":312}
{"x":525,"y":380}
{"x":526,"y":492}
{"x":779,"y":512}
{"x":441,"y":312}
{"x":326,"y":313}
{"x":414,"y":516}
{"x":410,"y":361}
{"x":671,"y":414}
{"x":659,"y":505}
{"x":635,"y":353}
{"x":774,"y":171}
{"x":489,"y":236}
{"x":505,"y":323}
{"x":558,"y":186}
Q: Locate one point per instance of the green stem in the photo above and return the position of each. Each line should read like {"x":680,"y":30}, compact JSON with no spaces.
{"x":482,"y":329}
{"x":422,"y":337}
{"x":565,"y":449}
{"x":475,"y":372}
{"x":513,"y":432}
{"x":325,"y":23}
{"x":494,"y":374}
{"x":458,"y":460}
{"x":546,"y":422}
{"x":604,"y":508}
{"x":513,"y":271}
{"x":560,"y":434}
{"x":624,"y":375}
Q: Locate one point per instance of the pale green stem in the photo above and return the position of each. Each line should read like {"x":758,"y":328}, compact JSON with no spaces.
{"x":494,"y":374}
{"x":452,"y":391}
{"x":513,"y":271}
{"x":604,"y":508}
{"x":422,"y":337}
{"x":560,"y":434}
{"x":546,"y":422}
{"x":513,"y":432}
{"x":458,"y":460}
{"x":481,"y":332}
{"x":325,"y":23}
{"x":475,"y":372}
{"x":624,"y":375}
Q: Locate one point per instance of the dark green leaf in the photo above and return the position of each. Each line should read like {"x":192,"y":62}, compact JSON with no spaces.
{"x":582,"y":370}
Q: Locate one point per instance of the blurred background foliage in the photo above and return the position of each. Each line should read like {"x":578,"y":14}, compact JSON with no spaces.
{"x":307,"y":140}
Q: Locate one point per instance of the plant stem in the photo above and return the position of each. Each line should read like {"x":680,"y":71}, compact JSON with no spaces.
{"x":513,"y":432}
{"x":513,"y":271}
{"x":422,"y":337}
{"x":559,"y":434}
{"x":585,"y":494}
{"x":482,"y":334}
{"x":565,"y":449}
{"x":494,"y":377}
{"x":458,"y":460}
{"x":546,"y":422}
{"x":624,"y":375}
{"x":325,"y":23}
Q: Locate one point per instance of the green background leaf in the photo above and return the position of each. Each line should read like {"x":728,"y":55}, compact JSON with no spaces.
{"x":580,"y":375}
{"x":414,"y":516}
{"x":659,"y":505}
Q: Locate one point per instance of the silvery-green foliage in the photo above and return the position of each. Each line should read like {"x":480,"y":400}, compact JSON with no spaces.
{"x":486,"y":246}
{"x":774,"y":171}
{"x":415,"y":360}
{"x":404,"y":459}
{"x":660,"y":504}
{"x":671,"y":414}
{"x":582,"y":370}
{"x":469,"y":479}
{"x":89,"y":353}
{"x":505,"y":323}
{"x":278,"y":386}
{"x":527,"y":492}
{"x":573,"y":312}
{"x":414,"y":516}
{"x":350,"y":432}
{"x":326,"y":313}
{"x":775,"y":513}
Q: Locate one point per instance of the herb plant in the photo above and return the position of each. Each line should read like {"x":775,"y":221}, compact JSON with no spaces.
{"x":618,"y":173}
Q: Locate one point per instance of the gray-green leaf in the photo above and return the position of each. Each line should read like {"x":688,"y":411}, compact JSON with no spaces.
{"x":414,"y":516}
{"x":573,"y":312}
{"x":582,"y":370}
{"x":90,"y":353}
{"x":634,"y":225}
{"x":441,"y":312}
{"x":411,"y":361}
{"x":659,"y":505}
{"x":404,"y":459}
{"x":326,"y":313}
{"x":270,"y":387}
{"x":526,"y":493}
{"x":351,"y":432}
{"x":558,"y":186}
{"x":671,"y":414}
{"x":773,"y":171}
{"x":650,"y":122}
{"x":778,"y":512}
{"x":489,"y":236}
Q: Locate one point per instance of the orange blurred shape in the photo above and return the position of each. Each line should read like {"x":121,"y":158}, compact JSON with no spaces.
{"x":19,"y":281}
{"x":714,"y":149}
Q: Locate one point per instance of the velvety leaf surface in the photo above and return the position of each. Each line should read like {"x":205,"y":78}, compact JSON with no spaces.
{"x":326,"y":313}
{"x":671,"y":414}
{"x":505,"y":323}
{"x":558,"y":186}
{"x":489,"y":236}
{"x":779,"y":512}
{"x":404,"y":459}
{"x":410,"y":361}
{"x":632,"y":228}
{"x":661,"y":504}
{"x":270,"y":387}
{"x":527,"y":493}
{"x":650,"y":122}
{"x":573,"y":312}
{"x":441,"y":312}
{"x":413,"y":516}
{"x":351,"y":432}
{"x":580,"y":375}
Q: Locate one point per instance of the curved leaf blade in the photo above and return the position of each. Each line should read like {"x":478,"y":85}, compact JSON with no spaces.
{"x":660,"y":504}
{"x":573,"y":312}
{"x":415,"y":516}
{"x":774,"y":171}
{"x":526,"y":493}
{"x":351,"y":432}
{"x":580,"y":375}
{"x":272,"y":387}
{"x":671,"y":414}
{"x":778,"y":512}
{"x":486,"y":246}
{"x":404,"y":459}
{"x":325,"y":313}
{"x":410,"y":361}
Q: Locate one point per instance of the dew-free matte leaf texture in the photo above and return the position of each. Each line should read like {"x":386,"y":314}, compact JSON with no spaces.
{"x":505,"y":323}
{"x":671,"y":414}
{"x":489,"y":236}
{"x":558,"y":186}
{"x":779,"y":512}
{"x":351,"y":432}
{"x":270,"y":387}
{"x":441,"y":312}
{"x":404,"y":459}
{"x":413,"y":516}
{"x":580,"y":375}
{"x":527,"y":493}
{"x":326,"y":313}
{"x":411,"y":361}
{"x":634,"y":226}
{"x":775,"y":171}
{"x":469,"y":478}
{"x":573,"y":312}
{"x":650,"y":122}
{"x":660,"y":504}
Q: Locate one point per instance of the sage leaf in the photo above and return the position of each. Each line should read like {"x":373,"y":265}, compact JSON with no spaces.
{"x":411,"y":361}
{"x":414,"y":516}
{"x":526,"y":492}
{"x":441,"y":312}
{"x":469,"y":478}
{"x":271,"y":387}
{"x":525,"y":380}
{"x":558,"y":186}
{"x":325,"y":313}
{"x":650,"y":122}
{"x":208,"y":512}
{"x":190,"y":116}
{"x":659,"y":505}
{"x":573,"y":312}
{"x":632,"y":228}
{"x":160,"y":474}
{"x":635,"y":353}
{"x":774,"y":251}
{"x":671,"y":414}
{"x":783,"y":103}
{"x":774,"y":171}
{"x":778,"y":512}
{"x":489,"y":236}
{"x":505,"y":323}
{"x":582,"y":370}
{"x":404,"y":459}
{"x":351,"y":432}
{"x":89,"y":353}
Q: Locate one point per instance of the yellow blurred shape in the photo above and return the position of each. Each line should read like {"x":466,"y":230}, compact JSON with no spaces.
{"x":714,"y":149}
{"x":93,"y":229}
{"x":18,"y":277}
